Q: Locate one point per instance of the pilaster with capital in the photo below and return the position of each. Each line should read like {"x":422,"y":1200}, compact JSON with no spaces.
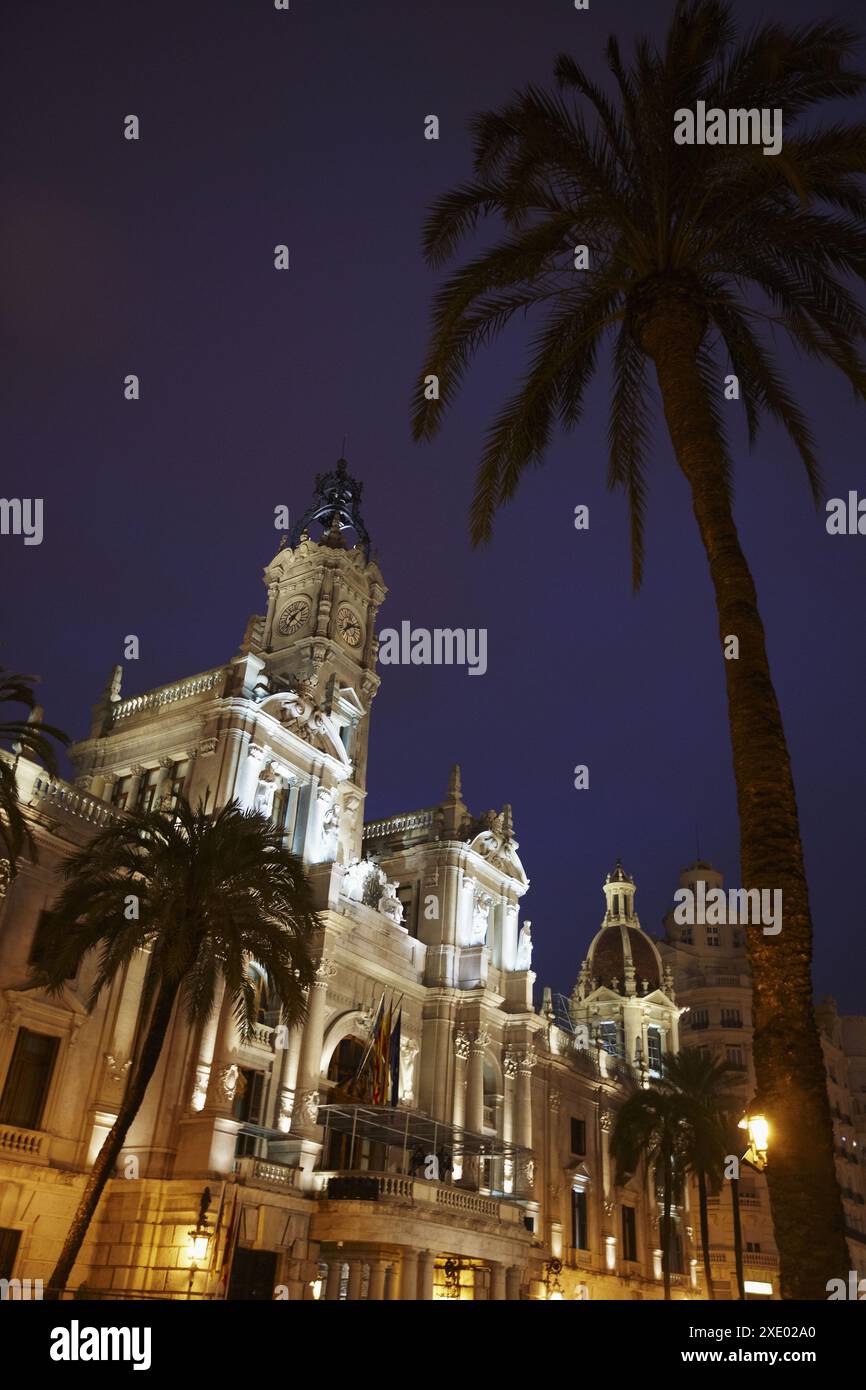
{"x":310,"y":1060}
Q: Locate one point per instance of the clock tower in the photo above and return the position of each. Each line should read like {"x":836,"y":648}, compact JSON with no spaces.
{"x":324,"y":591}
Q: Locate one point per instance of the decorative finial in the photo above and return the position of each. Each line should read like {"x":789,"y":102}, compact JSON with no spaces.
{"x":455,"y":791}
{"x":507,"y":822}
{"x":337,"y":498}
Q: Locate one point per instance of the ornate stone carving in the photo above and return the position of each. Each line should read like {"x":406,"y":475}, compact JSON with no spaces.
{"x":307,"y":1106}
{"x":481,"y":905}
{"x":5,"y":877}
{"x":199,"y":1089}
{"x":481,"y":1039}
{"x":461,"y":1045}
{"x":555,"y":1102}
{"x":287,"y":1104}
{"x":409,"y":1050}
{"x":265,"y":792}
{"x":116,"y":1068}
{"x":207,"y":747}
{"x":523,"y":958}
{"x":528,"y":1058}
{"x":509,"y":1064}
{"x":605,"y":1119}
{"x":325,"y":971}
{"x":608,"y":1205}
{"x":230,"y":1081}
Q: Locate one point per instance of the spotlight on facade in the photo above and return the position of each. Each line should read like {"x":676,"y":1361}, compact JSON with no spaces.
{"x":756,"y":1126}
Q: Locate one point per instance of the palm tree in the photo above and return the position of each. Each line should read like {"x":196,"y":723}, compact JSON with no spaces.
{"x":213,"y":893}
{"x":29,"y":737}
{"x":695,"y":253}
{"x":700,"y":1081}
{"x":649,"y":1125}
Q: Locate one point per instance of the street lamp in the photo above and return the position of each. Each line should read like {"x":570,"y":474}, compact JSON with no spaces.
{"x":200,"y":1236}
{"x":757,"y":1127}
{"x":754,"y":1122}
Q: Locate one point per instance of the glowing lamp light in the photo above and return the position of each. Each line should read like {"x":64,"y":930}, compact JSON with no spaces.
{"x":200,"y":1237}
{"x":200,"y":1240}
{"x":552,"y":1271}
{"x":757,"y":1127}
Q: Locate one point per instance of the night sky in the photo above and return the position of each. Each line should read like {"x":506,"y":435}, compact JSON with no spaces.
{"x":260,"y":127}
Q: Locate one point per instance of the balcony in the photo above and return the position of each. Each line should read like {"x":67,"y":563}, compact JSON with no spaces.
{"x":28,"y":1144}
{"x":256,"y":1172}
{"x":397,"y":1190}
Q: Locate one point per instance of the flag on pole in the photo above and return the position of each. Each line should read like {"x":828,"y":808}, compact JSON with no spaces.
{"x":394,"y":1060}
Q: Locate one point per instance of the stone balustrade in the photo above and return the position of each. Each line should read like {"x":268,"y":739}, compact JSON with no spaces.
{"x":168,"y":694}
{"x":396,"y":825}
{"x":53,"y":792}
{"x":22,"y":1143}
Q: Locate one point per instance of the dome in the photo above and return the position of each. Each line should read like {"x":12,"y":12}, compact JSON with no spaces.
{"x":616,"y":949}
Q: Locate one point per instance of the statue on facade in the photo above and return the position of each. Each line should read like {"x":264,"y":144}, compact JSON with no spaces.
{"x":523,"y":958}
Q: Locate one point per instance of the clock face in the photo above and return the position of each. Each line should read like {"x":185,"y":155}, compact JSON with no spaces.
{"x":348,"y":627}
{"x":294,"y":616}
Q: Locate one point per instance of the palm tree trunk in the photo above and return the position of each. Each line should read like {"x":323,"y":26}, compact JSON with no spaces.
{"x":666,"y":1224}
{"x":805,"y":1199}
{"x":114,"y":1140}
{"x":738,"y":1237}
{"x":705,"y":1232}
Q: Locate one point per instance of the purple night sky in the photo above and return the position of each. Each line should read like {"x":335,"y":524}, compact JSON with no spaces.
{"x":260,"y":127}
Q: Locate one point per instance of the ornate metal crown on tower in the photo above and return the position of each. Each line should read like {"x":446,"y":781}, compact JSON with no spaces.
{"x":336,"y":507}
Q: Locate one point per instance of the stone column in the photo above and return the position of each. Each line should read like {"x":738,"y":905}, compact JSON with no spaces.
{"x":335,"y":1272}
{"x":497,"y":1281}
{"x":426,"y":1261}
{"x":165,"y":766}
{"x":605,"y":1120}
{"x":475,"y":1099}
{"x":356,"y":1271}
{"x":513,"y":1277}
{"x":284,"y":1102}
{"x":310,"y":1059}
{"x":134,"y":787}
{"x":390,"y":1284}
{"x":509,"y":1067}
{"x":461,"y":1055}
{"x":248,"y":775}
{"x":376,"y":1290}
{"x":409,"y":1276}
{"x":475,"y":1082}
{"x":526,"y":1060}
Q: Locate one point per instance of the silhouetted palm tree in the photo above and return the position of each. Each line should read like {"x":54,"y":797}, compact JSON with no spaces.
{"x":701,"y":1084}
{"x":694,"y":251}
{"x":213,"y":893}
{"x":29,"y":737}
{"x":649,"y":1125}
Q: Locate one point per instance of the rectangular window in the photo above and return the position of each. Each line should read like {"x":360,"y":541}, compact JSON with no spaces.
{"x":753,"y":1246}
{"x":120,"y":795}
{"x":654,"y":1049}
{"x":687,"y":936}
{"x":9,"y":1240}
{"x":578,"y":1136}
{"x":713,"y":936}
{"x":732,"y":1018}
{"x":735,"y":1056}
{"x":579,"y":1231}
{"x":700,"y":1018}
{"x":609,"y":1034}
{"x":247,"y":1107}
{"x":147,"y":789}
{"x":26,"y":1090}
{"x":629,"y":1234}
{"x":177,"y":780}
{"x":409,"y":897}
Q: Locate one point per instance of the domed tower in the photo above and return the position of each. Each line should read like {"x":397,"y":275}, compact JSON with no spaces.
{"x":623,"y":1000}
